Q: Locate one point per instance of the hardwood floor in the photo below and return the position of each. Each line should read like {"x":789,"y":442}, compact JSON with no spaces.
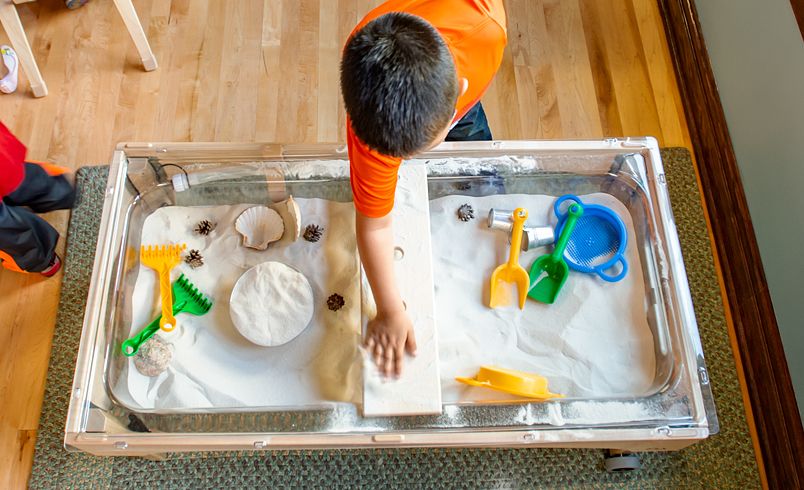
{"x":267,"y":70}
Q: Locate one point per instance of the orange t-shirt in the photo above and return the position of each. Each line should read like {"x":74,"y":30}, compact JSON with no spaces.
{"x":474,"y":31}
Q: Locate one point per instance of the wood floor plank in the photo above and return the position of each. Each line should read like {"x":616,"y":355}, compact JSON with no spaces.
{"x":627,"y":65}
{"x":608,"y":111}
{"x":574,"y":84}
{"x":16,"y":453}
{"x":268,"y":85}
{"x":237,"y":106}
{"x":144,"y":117}
{"x":52,"y":41}
{"x":27,"y":303}
{"x":27,"y":380}
{"x":539,"y":114}
{"x":206,"y":88}
{"x":299,"y":61}
{"x":329,"y":94}
{"x":267,"y":70}
{"x":501,"y":102}
{"x":662,"y":78}
{"x":110,"y":79}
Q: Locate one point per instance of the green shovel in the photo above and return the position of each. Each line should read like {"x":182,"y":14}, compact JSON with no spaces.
{"x":186,"y":299}
{"x":549,"y":272}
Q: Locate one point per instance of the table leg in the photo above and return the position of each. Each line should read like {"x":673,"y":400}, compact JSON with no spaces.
{"x":129,"y":15}
{"x":10,"y":20}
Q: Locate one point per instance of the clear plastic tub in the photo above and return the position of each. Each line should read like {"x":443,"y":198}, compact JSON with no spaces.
{"x":675,"y":411}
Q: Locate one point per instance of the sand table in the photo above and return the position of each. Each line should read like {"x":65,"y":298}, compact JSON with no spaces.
{"x":593,"y":342}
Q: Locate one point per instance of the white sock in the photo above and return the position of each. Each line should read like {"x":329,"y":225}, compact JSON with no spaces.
{"x":8,"y":83}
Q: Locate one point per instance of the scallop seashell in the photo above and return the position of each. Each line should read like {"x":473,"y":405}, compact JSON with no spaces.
{"x":259,"y":226}
{"x":291,"y":214}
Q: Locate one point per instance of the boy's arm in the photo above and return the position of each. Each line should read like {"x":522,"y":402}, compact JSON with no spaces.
{"x":390,"y":333}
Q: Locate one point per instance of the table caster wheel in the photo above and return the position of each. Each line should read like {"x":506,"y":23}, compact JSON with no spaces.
{"x":618,"y":461}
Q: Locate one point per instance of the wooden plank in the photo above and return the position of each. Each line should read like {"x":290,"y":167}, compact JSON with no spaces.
{"x":418,"y":390}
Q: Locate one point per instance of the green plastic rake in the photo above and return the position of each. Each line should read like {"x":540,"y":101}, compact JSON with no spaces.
{"x":186,"y":299}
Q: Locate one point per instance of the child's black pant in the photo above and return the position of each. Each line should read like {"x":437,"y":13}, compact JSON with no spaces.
{"x":27,"y":242}
{"x":472,"y":127}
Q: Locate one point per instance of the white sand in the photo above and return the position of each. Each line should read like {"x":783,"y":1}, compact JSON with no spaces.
{"x":213,"y":365}
{"x":593,"y":342}
{"x":271,"y":304}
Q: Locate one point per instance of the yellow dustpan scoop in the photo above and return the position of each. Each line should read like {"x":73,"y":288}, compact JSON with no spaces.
{"x":510,"y":381}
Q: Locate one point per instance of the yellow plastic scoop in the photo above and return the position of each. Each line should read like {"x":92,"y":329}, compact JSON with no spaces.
{"x":510,"y":381}
{"x":162,"y":259}
{"x":511,"y":272}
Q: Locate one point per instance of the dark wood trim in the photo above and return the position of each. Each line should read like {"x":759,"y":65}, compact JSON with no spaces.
{"x":798,"y":11}
{"x":779,"y":429}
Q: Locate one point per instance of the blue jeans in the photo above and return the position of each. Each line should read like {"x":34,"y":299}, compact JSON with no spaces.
{"x":472,"y":127}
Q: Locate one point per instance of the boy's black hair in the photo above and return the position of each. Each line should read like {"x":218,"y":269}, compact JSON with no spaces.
{"x":399,"y":84}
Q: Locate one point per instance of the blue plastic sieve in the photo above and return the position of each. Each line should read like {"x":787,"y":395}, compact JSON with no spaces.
{"x":597,"y":243}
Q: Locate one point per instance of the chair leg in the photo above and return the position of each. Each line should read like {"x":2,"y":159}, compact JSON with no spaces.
{"x":129,"y":15}
{"x":10,"y":20}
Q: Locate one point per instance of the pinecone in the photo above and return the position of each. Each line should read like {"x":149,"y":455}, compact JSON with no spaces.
{"x":465,"y":212}
{"x":312,"y":233}
{"x":204,"y":227}
{"x":194,"y":259}
{"x":335,"y":302}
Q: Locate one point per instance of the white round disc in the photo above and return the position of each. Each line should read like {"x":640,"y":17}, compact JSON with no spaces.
{"x":271,"y":304}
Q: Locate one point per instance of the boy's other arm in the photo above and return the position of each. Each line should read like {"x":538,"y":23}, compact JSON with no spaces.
{"x":390,"y":333}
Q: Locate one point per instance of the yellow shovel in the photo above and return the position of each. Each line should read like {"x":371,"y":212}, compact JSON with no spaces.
{"x":511,"y":272}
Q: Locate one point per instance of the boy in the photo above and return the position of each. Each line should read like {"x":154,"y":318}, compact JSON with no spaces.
{"x":27,"y":242}
{"x":412,"y":75}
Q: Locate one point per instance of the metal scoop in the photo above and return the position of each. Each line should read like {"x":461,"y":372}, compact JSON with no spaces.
{"x":532,"y":236}
{"x":511,"y":272}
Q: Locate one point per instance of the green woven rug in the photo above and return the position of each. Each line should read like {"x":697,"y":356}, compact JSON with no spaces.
{"x":725,"y":460}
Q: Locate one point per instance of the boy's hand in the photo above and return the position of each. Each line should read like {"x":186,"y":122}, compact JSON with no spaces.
{"x":388,"y":336}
